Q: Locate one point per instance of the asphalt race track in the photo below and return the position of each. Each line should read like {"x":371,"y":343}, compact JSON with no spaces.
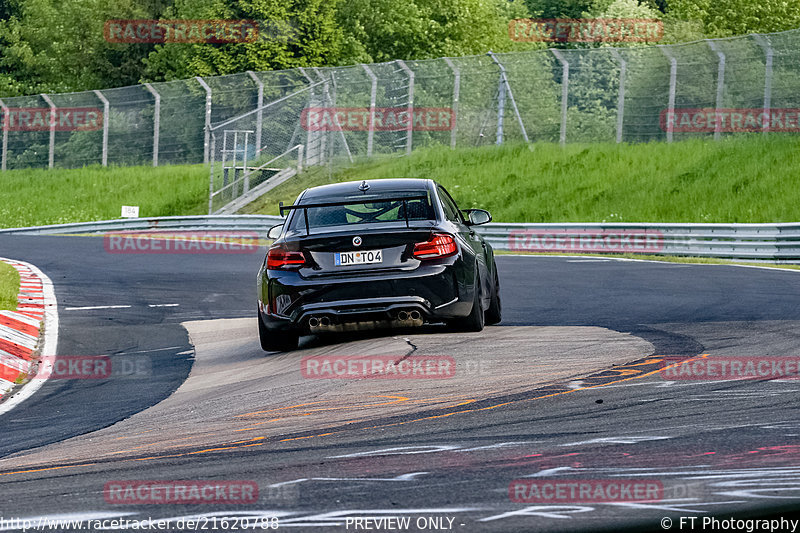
{"x":567,"y":388}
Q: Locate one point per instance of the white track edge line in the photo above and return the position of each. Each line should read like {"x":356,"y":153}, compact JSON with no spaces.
{"x":771,"y":268}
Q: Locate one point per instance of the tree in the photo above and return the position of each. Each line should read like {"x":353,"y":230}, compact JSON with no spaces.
{"x":725,"y":18}
{"x":551,"y":9}
{"x":7,"y":8}
{"x":291,"y":34}
{"x":383,"y":30}
{"x":55,"y":46}
{"x":579,"y":8}
{"x":621,"y":9}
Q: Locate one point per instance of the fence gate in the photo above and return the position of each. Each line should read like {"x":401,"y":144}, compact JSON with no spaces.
{"x":244,"y":166}
{"x":235,"y":146}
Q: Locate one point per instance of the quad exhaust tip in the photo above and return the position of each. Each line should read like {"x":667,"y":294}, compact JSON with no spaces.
{"x":319,"y":322}
{"x":404,"y":318}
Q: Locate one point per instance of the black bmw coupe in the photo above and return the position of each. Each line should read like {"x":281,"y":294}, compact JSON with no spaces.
{"x":373,"y":254}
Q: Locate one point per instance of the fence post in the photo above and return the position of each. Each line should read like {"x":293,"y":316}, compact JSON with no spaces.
{"x":410,"y":128}
{"x":373,"y":94}
{"x":156,"y":121}
{"x":299,"y":158}
{"x":501,"y":104}
{"x":332,"y":87}
{"x":564,"y":94}
{"x":207,"y":127}
{"x":456,"y":95}
{"x":720,"y":85}
{"x":52,"y":151}
{"x":315,"y":141}
{"x":504,"y":81}
{"x":106,"y":110}
{"x":673,"y":77}
{"x":766,"y":45}
{"x":623,"y":70}
{"x":332,"y":100}
{"x":6,"y":123}
{"x":211,"y":175}
{"x":259,"y":105}
{"x":223,"y":157}
{"x":245,"y":171}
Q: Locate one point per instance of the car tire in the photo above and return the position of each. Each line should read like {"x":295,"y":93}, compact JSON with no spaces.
{"x":495,"y":313}
{"x":475,"y":320}
{"x":276,"y":340}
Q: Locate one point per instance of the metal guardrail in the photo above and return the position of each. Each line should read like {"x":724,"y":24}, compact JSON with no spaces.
{"x":771,"y":242}
{"x":192,"y":223}
{"x":766,"y":242}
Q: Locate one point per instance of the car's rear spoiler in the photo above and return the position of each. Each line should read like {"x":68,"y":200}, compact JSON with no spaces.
{"x":360,"y":200}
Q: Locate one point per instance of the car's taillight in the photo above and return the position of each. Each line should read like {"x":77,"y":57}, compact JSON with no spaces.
{"x":280,"y":259}
{"x":439,"y":245}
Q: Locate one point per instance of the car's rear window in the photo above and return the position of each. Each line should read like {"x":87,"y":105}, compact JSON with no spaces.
{"x":368,"y":211}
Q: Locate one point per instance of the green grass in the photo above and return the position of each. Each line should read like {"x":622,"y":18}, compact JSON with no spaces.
{"x":749,"y":178}
{"x":743,"y":179}
{"x":40,"y":196}
{"x":9,"y":287}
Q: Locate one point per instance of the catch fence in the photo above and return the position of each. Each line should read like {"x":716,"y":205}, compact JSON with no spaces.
{"x":253,"y":126}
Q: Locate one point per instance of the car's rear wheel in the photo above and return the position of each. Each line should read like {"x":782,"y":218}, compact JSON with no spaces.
{"x":275,"y":340}
{"x":494,"y":314}
{"x":475,"y":320}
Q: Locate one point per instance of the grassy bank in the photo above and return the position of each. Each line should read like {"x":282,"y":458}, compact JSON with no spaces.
{"x":743,"y":179}
{"x":39,"y":196}
{"x":9,"y":287}
{"x":746,"y":179}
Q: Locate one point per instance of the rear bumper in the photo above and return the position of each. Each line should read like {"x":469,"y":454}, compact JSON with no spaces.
{"x":287,"y":300}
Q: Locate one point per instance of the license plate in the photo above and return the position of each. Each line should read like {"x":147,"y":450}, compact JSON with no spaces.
{"x":367,"y":257}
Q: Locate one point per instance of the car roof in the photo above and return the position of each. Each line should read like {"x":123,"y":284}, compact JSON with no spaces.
{"x":351,"y":188}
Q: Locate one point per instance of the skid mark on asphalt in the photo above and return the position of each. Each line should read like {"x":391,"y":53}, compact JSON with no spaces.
{"x":396,"y":399}
{"x":252,"y":426}
{"x":638,"y":369}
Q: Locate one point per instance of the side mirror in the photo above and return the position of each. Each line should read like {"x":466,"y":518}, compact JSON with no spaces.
{"x":476,"y":217}
{"x":275,"y":232}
